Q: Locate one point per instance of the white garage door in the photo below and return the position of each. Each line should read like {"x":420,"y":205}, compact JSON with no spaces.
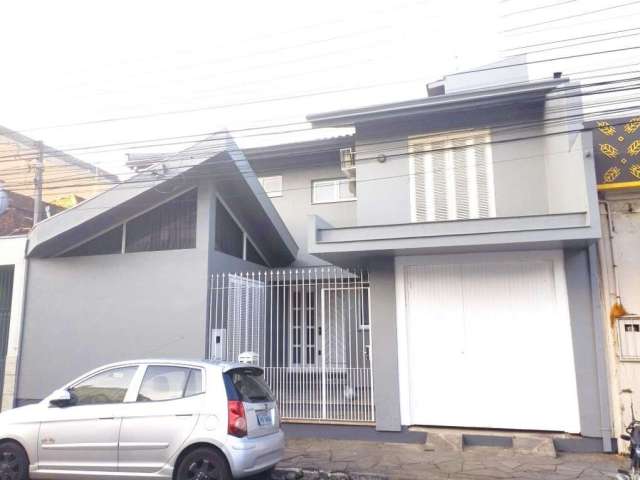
{"x":488,"y":342}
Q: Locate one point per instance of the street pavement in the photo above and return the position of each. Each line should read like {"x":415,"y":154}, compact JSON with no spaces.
{"x":340,"y":459}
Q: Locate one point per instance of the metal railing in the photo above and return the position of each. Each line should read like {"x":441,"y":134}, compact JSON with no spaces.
{"x":309,"y":329}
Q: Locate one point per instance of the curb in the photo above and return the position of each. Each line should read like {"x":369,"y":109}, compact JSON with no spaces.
{"x":301,"y":474}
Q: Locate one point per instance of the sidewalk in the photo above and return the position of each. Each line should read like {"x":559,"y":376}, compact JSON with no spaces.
{"x":411,"y":461}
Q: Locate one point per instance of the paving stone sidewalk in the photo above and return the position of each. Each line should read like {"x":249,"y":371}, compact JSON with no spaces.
{"x":410,"y":461}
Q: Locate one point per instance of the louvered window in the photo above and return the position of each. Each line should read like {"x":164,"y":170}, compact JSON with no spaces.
{"x":451,"y":177}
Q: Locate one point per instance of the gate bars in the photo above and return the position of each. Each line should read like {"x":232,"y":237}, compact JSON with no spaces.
{"x":308,"y":328}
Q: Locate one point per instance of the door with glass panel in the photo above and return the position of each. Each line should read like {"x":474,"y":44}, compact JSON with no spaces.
{"x":83,"y":437}
{"x":164,"y":413}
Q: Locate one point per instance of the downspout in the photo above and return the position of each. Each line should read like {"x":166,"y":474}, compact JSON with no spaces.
{"x":25,"y":292}
{"x":610,"y":230}
{"x":601,"y":361}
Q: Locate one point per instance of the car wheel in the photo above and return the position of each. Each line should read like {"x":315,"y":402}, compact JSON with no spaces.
{"x":203,"y":464}
{"x":14,"y":464}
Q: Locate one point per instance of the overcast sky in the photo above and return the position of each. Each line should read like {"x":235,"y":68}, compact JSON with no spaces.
{"x":73,"y":62}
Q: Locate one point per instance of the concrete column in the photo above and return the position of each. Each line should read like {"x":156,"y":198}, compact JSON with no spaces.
{"x":384,"y":344}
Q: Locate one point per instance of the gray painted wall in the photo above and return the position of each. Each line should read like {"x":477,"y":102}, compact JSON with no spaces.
{"x":529,"y":174}
{"x":384,"y":343}
{"x":295,"y":205}
{"x":83,"y":312}
{"x":576,"y":264}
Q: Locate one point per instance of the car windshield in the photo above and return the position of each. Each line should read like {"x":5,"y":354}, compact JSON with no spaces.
{"x":250,"y":385}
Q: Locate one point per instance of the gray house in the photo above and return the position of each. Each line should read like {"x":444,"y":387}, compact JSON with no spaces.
{"x":445,"y":274}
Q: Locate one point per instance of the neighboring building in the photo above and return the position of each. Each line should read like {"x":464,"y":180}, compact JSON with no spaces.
{"x":63,"y":174}
{"x":446,"y":274}
{"x":617,"y":155}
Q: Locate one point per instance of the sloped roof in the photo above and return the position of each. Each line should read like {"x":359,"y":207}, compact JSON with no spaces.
{"x":218,"y":153}
{"x":449,"y":102}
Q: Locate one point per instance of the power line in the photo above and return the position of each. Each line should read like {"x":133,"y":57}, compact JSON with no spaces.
{"x":403,"y":153}
{"x":528,"y":10}
{"x":309,"y":94}
{"x":521,"y":47}
{"x":569,"y":17}
{"x":565,"y":93}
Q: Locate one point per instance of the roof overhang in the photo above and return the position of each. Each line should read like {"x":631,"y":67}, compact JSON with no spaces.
{"x":217,"y":157}
{"x":503,"y":95}
{"x":348,"y":244}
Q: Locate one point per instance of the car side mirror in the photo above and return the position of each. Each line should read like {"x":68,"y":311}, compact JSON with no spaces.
{"x":61,"y":398}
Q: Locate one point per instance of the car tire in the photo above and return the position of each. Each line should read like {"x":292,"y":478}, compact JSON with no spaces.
{"x":14,"y":464}
{"x":203,"y":463}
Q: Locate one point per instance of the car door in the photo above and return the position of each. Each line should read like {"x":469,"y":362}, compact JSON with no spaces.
{"x":83,"y":436}
{"x":161,"y":418}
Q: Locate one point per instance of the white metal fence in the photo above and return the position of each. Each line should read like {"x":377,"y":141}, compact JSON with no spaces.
{"x":309,"y":329}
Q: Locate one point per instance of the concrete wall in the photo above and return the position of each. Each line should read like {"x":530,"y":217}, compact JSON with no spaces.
{"x":384,"y":343}
{"x":619,"y":247}
{"x":12,"y":253}
{"x":521,"y":168}
{"x":586,"y":343}
{"x":86,"y":311}
{"x":295,"y":205}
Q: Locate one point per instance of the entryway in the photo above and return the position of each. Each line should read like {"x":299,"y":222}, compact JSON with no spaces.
{"x":309,"y":329}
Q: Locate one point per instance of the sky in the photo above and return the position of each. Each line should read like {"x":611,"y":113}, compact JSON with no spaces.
{"x":80,"y":74}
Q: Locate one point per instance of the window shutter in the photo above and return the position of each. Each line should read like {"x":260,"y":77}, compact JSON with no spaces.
{"x":460,"y":173}
{"x":438,"y":173}
{"x":453,"y":178}
{"x":420,"y":199}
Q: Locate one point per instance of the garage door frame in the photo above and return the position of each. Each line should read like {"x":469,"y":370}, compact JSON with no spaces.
{"x":557,"y":259}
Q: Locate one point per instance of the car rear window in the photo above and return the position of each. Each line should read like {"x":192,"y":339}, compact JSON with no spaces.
{"x":247,"y":385}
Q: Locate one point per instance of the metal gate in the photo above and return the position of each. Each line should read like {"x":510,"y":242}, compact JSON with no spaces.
{"x":309,"y":329}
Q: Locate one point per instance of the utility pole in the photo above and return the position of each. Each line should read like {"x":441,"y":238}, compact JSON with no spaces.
{"x":37,"y":183}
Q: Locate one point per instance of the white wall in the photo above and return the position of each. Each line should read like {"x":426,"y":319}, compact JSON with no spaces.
{"x":625,"y":238}
{"x":12,"y":253}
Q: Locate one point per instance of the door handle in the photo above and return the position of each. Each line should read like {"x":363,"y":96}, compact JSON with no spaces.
{"x":107,"y":418}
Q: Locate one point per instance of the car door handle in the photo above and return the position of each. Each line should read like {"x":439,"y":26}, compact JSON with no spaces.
{"x":107,"y":418}
{"x":184,"y":414}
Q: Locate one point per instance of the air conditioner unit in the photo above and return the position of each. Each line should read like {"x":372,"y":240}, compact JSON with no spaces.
{"x":348,"y":161}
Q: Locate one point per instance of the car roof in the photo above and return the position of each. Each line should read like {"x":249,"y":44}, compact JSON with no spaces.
{"x":204,"y":363}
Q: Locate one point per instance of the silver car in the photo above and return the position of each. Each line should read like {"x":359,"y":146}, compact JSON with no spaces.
{"x":156,"y":419}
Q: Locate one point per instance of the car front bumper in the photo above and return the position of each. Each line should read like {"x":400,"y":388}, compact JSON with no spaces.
{"x":248,"y":456}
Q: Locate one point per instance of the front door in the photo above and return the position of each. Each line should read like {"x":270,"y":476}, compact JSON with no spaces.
{"x":84,"y":437}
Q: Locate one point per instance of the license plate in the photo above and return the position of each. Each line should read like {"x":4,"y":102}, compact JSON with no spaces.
{"x":264,"y":417}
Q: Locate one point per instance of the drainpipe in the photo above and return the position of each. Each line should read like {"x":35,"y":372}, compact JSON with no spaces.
{"x":601,"y":361}
{"x":610,"y":230}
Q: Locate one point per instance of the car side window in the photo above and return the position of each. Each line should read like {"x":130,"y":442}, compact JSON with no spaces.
{"x":167,"y":382}
{"x":105,"y":387}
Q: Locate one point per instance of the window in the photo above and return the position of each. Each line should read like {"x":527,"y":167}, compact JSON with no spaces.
{"x":166,"y":382}
{"x":229,"y":236}
{"x":249,"y":385}
{"x":252,"y":255}
{"x":170,"y":226}
{"x":107,"y":243}
{"x":629,"y":337}
{"x":334,"y":190}
{"x":232,"y":240}
{"x":105,"y":387}
{"x":272,"y":185}
{"x":451,"y":177}
{"x":303,"y":328}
